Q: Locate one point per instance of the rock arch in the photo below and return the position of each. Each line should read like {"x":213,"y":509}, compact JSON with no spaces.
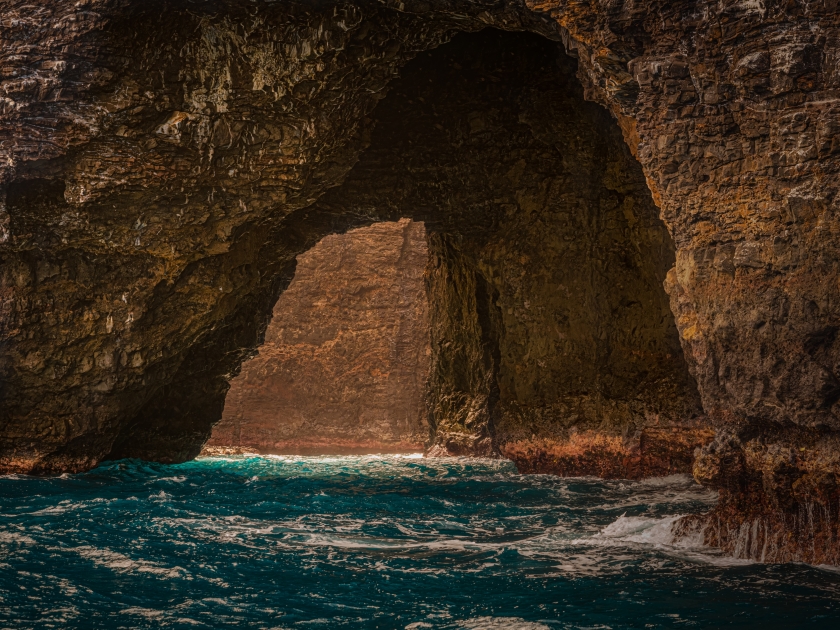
{"x":163,"y":163}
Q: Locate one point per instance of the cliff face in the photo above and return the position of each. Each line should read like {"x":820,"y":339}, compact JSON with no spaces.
{"x":344,"y":363}
{"x":164,"y":162}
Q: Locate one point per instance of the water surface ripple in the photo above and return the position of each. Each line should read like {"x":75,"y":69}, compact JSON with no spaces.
{"x":376,"y":542}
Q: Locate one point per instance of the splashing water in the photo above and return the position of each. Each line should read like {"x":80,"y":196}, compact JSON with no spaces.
{"x":376,"y":542}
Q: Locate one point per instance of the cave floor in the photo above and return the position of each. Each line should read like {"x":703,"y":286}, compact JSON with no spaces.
{"x":377,"y":542}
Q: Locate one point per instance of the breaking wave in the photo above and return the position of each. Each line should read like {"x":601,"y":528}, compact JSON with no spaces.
{"x":376,"y":542}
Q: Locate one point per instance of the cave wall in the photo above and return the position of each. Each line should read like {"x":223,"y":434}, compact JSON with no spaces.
{"x":158,"y":159}
{"x":732,"y":110}
{"x":344,"y":363}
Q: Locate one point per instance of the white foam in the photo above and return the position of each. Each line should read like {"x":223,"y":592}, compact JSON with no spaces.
{"x":668,"y":480}
{"x":501,"y":623}
{"x":826,"y":567}
{"x":320,"y":540}
{"x":67,"y":506}
{"x":55,"y":509}
{"x":67,"y":587}
{"x":658,"y":533}
{"x":639,"y":529}
{"x":123,"y":564}
{"x":148,"y":613}
{"x":14,"y":537}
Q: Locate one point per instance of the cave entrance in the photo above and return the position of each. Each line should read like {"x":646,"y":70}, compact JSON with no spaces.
{"x":343,"y":366}
{"x":552,"y":339}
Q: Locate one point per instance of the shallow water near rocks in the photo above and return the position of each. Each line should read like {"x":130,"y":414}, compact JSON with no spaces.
{"x":376,"y":542}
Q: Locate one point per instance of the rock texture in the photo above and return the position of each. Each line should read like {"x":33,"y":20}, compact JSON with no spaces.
{"x":344,"y":363}
{"x":654,"y":451}
{"x":162,"y":164}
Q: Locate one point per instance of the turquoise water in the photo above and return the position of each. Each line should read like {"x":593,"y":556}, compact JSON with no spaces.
{"x":376,"y":542}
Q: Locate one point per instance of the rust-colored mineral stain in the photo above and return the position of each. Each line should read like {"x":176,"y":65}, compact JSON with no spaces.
{"x":653,"y":452}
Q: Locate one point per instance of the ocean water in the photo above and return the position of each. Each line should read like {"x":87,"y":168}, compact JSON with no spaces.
{"x":376,"y":542}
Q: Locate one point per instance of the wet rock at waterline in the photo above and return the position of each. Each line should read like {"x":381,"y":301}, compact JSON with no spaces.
{"x":163,"y":164}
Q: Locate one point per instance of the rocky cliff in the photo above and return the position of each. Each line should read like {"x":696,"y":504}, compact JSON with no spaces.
{"x":344,"y":363}
{"x":163,"y":163}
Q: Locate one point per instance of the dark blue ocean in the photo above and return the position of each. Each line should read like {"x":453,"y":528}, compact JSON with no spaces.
{"x":376,"y":542}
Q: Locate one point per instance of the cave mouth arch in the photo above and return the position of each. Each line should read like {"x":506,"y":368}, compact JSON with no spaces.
{"x":552,"y":335}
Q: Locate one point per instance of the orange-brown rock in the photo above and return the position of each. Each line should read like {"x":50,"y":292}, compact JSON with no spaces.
{"x":344,"y":363}
{"x":779,"y":500}
{"x":653,"y":452}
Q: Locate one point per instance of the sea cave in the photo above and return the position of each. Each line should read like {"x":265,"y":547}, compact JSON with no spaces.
{"x":358,"y":294}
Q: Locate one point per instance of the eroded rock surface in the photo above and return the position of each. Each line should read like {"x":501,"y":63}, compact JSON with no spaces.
{"x":160,"y":164}
{"x":344,"y":364}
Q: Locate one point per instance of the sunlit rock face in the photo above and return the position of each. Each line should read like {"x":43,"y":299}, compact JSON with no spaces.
{"x":164,"y":162}
{"x":344,"y":363}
